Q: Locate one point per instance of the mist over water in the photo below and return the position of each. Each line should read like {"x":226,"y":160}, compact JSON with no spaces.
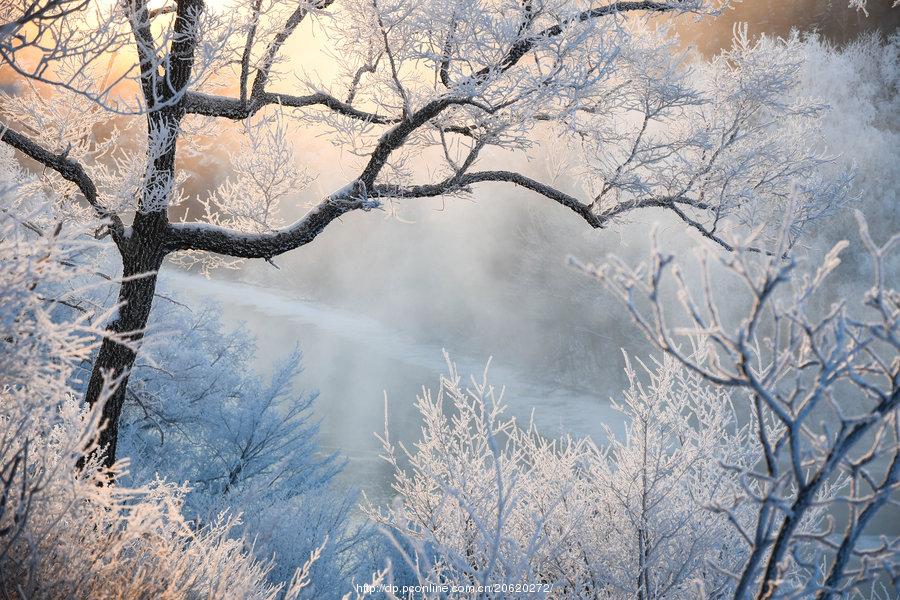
{"x":352,"y":360}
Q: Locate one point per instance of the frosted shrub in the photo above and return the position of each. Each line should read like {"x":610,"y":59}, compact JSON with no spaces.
{"x":67,"y":532}
{"x":86,"y":541}
{"x":487,"y":501}
{"x":823,"y":386}
{"x":245,"y":444}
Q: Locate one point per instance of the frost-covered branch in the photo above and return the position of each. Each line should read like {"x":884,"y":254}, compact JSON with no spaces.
{"x":232,"y":108}
{"x":823,"y":392}
{"x":484,"y":499}
{"x":209,"y":238}
{"x":69,"y":169}
{"x":463,"y":181}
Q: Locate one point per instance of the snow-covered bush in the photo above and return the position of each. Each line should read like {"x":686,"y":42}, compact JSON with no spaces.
{"x":68,"y":532}
{"x":197,"y":412}
{"x":822,"y":386}
{"x":762,"y":463}
{"x":487,"y":501}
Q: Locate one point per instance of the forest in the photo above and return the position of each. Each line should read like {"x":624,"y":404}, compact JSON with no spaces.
{"x":426,"y":299}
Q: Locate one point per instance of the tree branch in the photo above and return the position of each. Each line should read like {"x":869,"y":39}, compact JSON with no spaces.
{"x":248,"y":49}
{"x":220,"y":240}
{"x":70,"y":170}
{"x":712,"y":236}
{"x":524,"y":45}
{"x":395,"y":137}
{"x":180,"y":62}
{"x":461,"y":182}
{"x":265,"y":69}
{"x":233,"y":108}
{"x":41,"y":11}
{"x":211,"y":238}
{"x":139,"y":19}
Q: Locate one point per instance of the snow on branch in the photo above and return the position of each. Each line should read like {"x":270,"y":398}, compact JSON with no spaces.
{"x":487,"y":500}
{"x":719,"y":144}
{"x":822,"y":387}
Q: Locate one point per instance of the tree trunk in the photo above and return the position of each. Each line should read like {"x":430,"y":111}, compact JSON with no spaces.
{"x":144,"y":247}
{"x":115,"y":360}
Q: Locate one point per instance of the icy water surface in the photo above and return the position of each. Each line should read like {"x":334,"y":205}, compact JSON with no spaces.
{"x":355,"y":361}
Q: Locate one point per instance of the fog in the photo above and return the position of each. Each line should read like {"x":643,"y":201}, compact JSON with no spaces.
{"x":349,"y":357}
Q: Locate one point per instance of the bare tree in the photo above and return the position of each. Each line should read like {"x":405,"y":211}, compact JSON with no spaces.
{"x":822,"y":393}
{"x":448,"y":80}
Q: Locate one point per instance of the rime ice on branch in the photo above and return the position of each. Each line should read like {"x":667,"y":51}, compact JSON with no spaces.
{"x":822,"y":389}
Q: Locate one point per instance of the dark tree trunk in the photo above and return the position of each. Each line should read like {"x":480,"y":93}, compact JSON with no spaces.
{"x":140,"y":261}
{"x":145,"y":248}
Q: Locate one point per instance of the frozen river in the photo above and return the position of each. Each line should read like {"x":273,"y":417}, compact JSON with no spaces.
{"x":355,"y":361}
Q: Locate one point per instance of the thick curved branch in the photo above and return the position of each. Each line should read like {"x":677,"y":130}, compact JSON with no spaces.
{"x":220,"y":240}
{"x":211,"y":238}
{"x":70,"y":170}
{"x":232,"y":108}
{"x":397,"y":136}
{"x":461,"y":182}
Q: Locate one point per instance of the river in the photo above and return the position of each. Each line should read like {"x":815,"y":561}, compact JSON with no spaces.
{"x":355,"y":362}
